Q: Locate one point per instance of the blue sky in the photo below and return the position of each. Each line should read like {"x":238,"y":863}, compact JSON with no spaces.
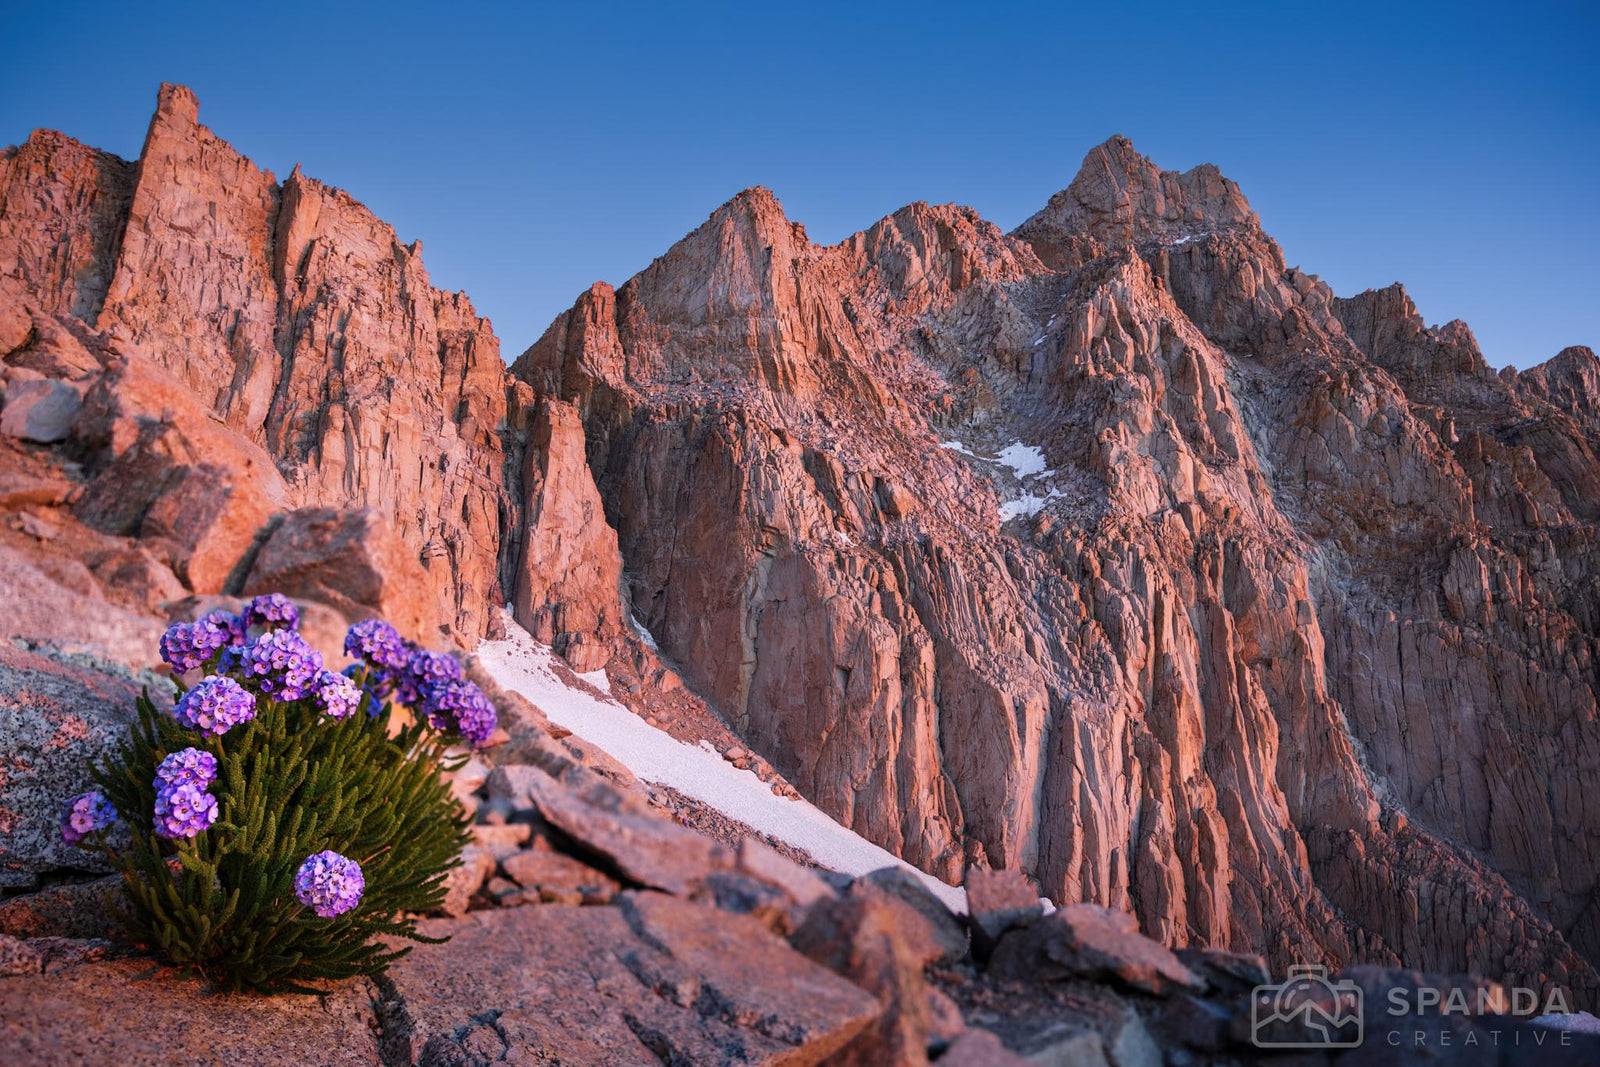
{"x":536,"y":148}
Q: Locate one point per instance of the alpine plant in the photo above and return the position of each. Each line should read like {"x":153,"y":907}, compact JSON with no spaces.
{"x":285,"y":822}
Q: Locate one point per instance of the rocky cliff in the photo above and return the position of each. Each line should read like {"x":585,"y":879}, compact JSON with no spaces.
{"x":1113,"y":550}
{"x":292,"y":316}
{"x":1116,"y":550}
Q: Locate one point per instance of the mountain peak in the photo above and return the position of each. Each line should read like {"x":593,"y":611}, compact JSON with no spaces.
{"x":1119,"y":197}
{"x":177,"y":103}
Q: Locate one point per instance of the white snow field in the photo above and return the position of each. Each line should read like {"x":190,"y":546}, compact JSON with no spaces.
{"x":1025,"y":460}
{"x":521,"y":664}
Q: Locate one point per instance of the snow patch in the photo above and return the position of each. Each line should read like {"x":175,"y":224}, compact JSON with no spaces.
{"x":1582,"y":1022}
{"x":521,"y":664}
{"x":957,"y":446}
{"x":1026,"y":506}
{"x":599,"y":679}
{"x":1025,"y":460}
{"x":644,"y":635}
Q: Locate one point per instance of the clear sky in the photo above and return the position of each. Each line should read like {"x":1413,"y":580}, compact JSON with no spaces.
{"x":537,"y":148}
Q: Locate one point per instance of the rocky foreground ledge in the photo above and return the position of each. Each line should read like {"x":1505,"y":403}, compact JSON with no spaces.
{"x":586,"y":927}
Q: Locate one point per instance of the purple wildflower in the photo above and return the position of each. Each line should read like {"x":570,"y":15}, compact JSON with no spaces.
{"x":215,"y":705}
{"x":425,"y":669}
{"x":280,"y":664}
{"x":185,"y":766}
{"x":231,"y":626}
{"x":184,"y":810}
{"x":462,"y":705}
{"x":337,"y":696}
{"x":273,"y":611}
{"x":329,"y":884}
{"x":86,"y":813}
{"x":378,"y":643}
{"x":188,"y":646}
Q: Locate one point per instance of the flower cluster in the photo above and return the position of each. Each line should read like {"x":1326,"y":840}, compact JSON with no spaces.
{"x":377,"y":643}
{"x":272,"y":611}
{"x":336,"y":696}
{"x":280,"y":665}
{"x":189,"y":766}
{"x":426,"y":681}
{"x":183,"y":810}
{"x":86,"y":813}
{"x":188,"y":646}
{"x":215,"y":705}
{"x":184,"y":804}
{"x":329,"y":884}
{"x":463,"y":706}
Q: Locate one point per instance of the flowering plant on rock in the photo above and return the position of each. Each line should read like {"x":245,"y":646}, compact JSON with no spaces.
{"x":288,"y":822}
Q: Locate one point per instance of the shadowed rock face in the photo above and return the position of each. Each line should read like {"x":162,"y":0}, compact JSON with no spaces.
{"x":1113,"y":550}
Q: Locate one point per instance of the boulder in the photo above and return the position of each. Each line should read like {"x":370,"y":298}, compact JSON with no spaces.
{"x":636,"y":847}
{"x":943,"y":929}
{"x":1231,"y":973}
{"x":59,"y":601}
{"x":1091,"y":942}
{"x":996,"y":902}
{"x":650,"y":980}
{"x":134,"y":578}
{"x":350,"y":559}
{"x":553,"y":877}
{"x":980,"y":1048}
{"x":19,"y":489}
{"x":863,"y":937}
{"x":477,"y":864}
{"x":163,"y":469}
{"x":41,"y":411}
{"x":54,"y":718}
{"x":800,"y":885}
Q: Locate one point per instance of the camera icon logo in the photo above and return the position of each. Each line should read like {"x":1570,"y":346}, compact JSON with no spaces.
{"x":1307,"y":1010}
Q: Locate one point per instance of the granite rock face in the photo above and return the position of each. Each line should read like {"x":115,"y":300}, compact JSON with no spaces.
{"x":288,"y":315}
{"x":1118,"y":552}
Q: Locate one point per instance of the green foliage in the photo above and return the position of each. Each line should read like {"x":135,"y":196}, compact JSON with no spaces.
{"x":291,"y":782}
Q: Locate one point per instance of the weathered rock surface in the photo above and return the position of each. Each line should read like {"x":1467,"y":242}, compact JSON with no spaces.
{"x":1088,"y":941}
{"x":639,"y":848}
{"x":998,"y":901}
{"x":42,"y":411}
{"x":287,"y":313}
{"x":1227,"y":603}
{"x":641,"y":976}
{"x":568,"y":570}
{"x":80,"y":1015}
{"x":54,"y":718}
{"x":348,"y":559}
{"x":653,"y":980}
